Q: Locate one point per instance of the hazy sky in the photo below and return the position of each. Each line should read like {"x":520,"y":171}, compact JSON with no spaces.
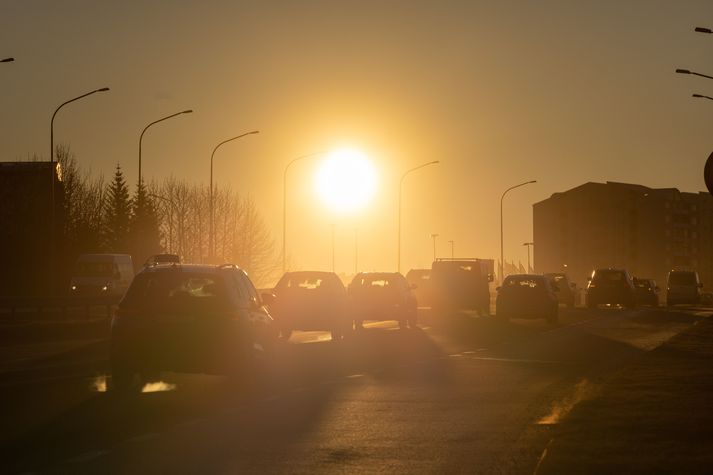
{"x":561,"y":91}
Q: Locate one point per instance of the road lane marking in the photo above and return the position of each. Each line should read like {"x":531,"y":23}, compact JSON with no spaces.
{"x":352,"y":376}
{"x":542,"y":457}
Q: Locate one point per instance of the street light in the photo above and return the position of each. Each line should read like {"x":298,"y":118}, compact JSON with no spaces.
{"x":401,"y":182}
{"x":687,"y":71}
{"x":702,"y":96}
{"x":701,"y":29}
{"x":502,"y":262}
{"x":528,"y":244}
{"x":141,"y":137}
{"x":434,"y":236}
{"x":453,"y":247}
{"x":212,"y":226}
{"x":7,"y":60}
{"x":284,"y":205}
{"x":52,"y":172}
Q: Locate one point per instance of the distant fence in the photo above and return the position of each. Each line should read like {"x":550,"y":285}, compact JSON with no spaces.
{"x":19,"y":305}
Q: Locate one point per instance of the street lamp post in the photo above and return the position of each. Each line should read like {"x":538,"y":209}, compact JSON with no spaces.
{"x":687,"y":71}
{"x":7,"y":60}
{"x":212,"y":225}
{"x":52,"y":174}
{"x":434,"y":236}
{"x":701,"y":29}
{"x":701,"y":96}
{"x":502,"y":262}
{"x":528,"y":245}
{"x":284,"y":205}
{"x":141,"y":137}
{"x":356,"y":251}
{"x":401,"y":183}
{"x":333,"y":227}
{"x":453,"y":246}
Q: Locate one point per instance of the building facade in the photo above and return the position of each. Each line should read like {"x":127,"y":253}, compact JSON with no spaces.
{"x":647,"y":231}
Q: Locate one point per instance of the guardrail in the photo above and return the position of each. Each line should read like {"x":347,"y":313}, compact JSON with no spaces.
{"x":13,"y":305}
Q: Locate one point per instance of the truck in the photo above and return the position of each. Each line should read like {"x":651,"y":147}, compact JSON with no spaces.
{"x":461,"y":284}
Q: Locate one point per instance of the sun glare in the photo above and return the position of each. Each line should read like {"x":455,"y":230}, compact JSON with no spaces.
{"x":346,"y":181}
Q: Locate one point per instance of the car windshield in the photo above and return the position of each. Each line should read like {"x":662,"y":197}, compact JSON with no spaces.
{"x":309,"y":282}
{"x":682,"y":278}
{"x":177,"y":291}
{"x":95,"y":269}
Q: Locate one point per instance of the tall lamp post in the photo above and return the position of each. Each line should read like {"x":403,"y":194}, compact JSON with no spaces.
{"x":284,"y":205}
{"x":212,"y":225}
{"x":434,"y":236}
{"x":529,"y":245}
{"x":701,"y":96}
{"x":141,"y":137}
{"x":401,"y":183}
{"x":502,"y":262}
{"x":52,"y":174}
{"x":7,"y":60}
{"x":453,"y":247}
{"x":687,"y":71}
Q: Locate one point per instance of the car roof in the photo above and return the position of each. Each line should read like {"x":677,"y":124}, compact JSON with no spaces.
{"x":189,"y":268}
{"x":310,"y":273}
{"x":525,"y":276}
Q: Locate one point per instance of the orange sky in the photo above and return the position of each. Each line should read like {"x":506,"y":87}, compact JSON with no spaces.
{"x":501,"y":92}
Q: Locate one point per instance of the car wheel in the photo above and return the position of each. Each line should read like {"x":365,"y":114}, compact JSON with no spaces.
{"x":124,"y":379}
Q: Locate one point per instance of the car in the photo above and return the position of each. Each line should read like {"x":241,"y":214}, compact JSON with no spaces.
{"x":527,"y":296}
{"x":565,"y":290}
{"x":192,"y":319}
{"x":102,"y":275}
{"x":461,"y":284}
{"x":683,"y":286}
{"x":646,"y":292}
{"x":611,"y":287}
{"x":382,"y":296}
{"x":163,"y":259}
{"x":311,"y":300}
{"x":421,"y":280}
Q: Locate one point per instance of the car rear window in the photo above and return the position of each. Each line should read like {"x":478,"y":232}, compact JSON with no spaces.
{"x":522,"y":282}
{"x":611,"y":276}
{"x":682,"y":278}
{"x":177,"y":291}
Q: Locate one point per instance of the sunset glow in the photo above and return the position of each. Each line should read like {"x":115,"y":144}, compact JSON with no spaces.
{"x":346,"y":181}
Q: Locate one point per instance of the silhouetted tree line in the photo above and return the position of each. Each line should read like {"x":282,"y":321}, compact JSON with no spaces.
{"x":171,"y":216}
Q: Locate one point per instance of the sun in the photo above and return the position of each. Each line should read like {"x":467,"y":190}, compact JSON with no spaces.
{"x":346,"y":181}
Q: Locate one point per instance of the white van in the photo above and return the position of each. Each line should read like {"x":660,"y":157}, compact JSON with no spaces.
{"x":102,"y":274}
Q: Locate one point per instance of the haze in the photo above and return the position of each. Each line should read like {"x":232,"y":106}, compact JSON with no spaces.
{"x":500,"y":92}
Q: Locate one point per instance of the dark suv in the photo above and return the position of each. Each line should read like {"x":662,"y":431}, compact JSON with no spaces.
{"x":189,"y":318}
{"x":382,"y":296}
{"x":611,"y":286}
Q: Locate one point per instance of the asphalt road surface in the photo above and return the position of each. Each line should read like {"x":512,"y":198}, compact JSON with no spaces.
{"x":459,"y":395}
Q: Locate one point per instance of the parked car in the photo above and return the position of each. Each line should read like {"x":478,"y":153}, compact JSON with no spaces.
{"x":564,"y":289}
{"x":612,"y":287}
{"x":527,"y":296}
{"x":311,"y":300}
{"x":102,"y":275}
{"x":382,"y":296}
{"x":189,"y":318}
{"x":461,"y":284}
{"x":683,"y":286}
{"x":647,"y":292}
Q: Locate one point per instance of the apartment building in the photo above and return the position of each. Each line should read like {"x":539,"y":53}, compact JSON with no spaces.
{"x":648,"y":231}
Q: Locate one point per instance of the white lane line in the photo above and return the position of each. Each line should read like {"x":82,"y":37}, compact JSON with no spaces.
{"x":542,"y":457}
{"x":143,"y":437}
{"x":87,"y":456}
{"x":519,"y":360}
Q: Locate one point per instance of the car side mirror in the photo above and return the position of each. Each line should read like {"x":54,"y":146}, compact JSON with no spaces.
{"x":268,"y":298}
{"x":491,"y":277}
{"x":497,"y":289}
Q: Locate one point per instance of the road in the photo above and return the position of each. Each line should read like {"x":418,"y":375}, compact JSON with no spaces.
{"x":466,"y":394}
